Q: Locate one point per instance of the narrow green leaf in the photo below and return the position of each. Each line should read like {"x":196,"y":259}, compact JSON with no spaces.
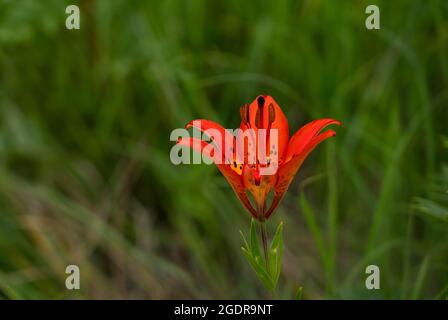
{"x":254,"y":244}
{"x":244,"y":240}
{"x":259,"y":268}
{"x":276,"y":254}
{"x":277,"y":240}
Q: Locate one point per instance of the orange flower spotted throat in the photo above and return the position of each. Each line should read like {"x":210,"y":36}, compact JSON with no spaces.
{"x":260,"y":158}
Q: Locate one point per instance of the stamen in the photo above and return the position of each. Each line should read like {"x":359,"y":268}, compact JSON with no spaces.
{"x":260,"y":101}
{"x":243,"y":114}
{"x":271,"y":113}
{"x":257,"y":119}
{"x":271,"y":120}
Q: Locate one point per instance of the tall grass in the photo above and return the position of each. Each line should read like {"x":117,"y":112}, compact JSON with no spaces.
{"x":85,"y":118}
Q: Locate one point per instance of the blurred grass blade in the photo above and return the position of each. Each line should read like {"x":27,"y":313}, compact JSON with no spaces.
{"x":299,"y":294}
{"x":421,"y":276}
{"x":432,"y":209}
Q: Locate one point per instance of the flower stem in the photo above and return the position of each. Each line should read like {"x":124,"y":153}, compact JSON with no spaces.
{"x":264,"y":240}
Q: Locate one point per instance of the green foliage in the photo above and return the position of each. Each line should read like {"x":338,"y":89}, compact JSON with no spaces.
{"x":267,"y":271}
{"x":275,"y":254}
{"x":432,"y":209}
{"x":437,"y":205}
{"x":85,"y":120}
{"x":299,"y":294}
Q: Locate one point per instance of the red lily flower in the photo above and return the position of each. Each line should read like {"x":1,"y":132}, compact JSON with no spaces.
{"x":244,"y":175}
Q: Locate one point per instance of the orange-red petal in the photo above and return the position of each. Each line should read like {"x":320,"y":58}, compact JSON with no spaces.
{"x":280,"y":123}
{"x":304,"y":135}
{"x":235,"y":180}
{"x":226,"y":143}
{"x":199,"y":146}
{"x":287,"y":172}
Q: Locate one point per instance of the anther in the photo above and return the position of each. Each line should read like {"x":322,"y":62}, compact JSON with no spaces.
{"x":244,"y":113}
{"x":260,"y":101}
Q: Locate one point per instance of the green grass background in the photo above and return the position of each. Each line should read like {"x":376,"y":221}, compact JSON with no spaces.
{"x":85,"y":119}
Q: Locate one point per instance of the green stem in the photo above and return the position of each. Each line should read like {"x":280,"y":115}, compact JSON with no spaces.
{"x":264,"y":240}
